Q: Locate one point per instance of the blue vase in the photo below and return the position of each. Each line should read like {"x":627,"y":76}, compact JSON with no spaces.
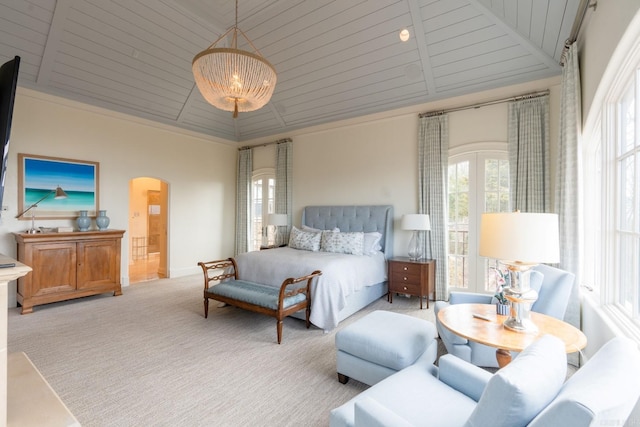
{"x":102,"y":220}
{"x":83,"y":221}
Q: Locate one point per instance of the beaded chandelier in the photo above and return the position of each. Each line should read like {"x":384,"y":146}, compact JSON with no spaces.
{"x":232,"y":79}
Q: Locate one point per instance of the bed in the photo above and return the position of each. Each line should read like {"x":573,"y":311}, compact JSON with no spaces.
{"x":348,"y":282}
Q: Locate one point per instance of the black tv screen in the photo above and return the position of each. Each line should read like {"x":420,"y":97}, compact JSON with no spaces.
{"x":8,"y":84}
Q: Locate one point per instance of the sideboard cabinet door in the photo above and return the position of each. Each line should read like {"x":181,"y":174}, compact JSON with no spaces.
{"x":57,"y":268}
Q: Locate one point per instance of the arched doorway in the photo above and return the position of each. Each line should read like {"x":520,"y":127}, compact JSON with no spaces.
{"x":148,"y":203}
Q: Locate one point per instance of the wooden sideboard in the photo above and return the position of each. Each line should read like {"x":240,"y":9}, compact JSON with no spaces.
{"x":68,"y":265}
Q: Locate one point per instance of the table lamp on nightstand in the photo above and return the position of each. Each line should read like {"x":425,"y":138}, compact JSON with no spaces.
{"x":415,"y":223}
{"x":277,"y":220}
{"x":520,"y":241}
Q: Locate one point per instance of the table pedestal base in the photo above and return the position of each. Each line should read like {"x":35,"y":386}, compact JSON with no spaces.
{"x":503,"y":357}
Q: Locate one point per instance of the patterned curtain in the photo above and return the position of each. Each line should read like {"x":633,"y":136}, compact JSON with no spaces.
{"x":433,"y":158}
{"x":284,"y":184}
{"x":529,"y":154}
{"x":243,"y":200}
{"x":567,"y":200}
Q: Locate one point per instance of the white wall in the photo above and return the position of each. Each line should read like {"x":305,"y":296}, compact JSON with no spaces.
{"x":373,"y":160}
{"x":599,"y":37}
{"x":201,"y":174}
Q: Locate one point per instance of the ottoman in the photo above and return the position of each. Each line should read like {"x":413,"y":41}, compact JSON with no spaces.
{"x":382,"y":343}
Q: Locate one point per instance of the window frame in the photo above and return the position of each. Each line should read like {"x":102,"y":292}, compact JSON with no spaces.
{"x":602,"y":269}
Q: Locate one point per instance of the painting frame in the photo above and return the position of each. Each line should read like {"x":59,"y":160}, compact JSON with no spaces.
{"x":39,"y":176}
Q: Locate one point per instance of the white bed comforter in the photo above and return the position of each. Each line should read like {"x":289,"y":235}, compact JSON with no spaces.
{"x":341,"y":276}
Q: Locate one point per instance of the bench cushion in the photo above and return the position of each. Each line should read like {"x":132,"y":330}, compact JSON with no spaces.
{"x":254,"y":293}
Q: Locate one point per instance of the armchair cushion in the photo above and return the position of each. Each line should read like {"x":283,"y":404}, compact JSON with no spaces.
{"x":369,"y":413}
{"x":518,"y":392}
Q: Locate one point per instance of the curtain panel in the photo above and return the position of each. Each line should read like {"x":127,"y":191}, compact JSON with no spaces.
{"x":284,"y":184}
{"x":529,"y":154}
{"x":567,"y":195}
{"x":433,"y":158}
{"x":243,"y":200}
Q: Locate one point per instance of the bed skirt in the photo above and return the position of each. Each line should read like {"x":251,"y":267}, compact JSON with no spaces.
{"x":356,"y":301}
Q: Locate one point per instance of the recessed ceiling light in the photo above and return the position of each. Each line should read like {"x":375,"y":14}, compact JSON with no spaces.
{"x":404,"y":35}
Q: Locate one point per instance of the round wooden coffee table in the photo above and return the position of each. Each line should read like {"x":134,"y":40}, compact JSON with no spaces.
{"x":458,"y":318}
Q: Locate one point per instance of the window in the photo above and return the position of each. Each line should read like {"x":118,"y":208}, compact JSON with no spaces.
{"x":612,"y":198}
{"x":262,"y":204}
{"x":478,"y":182}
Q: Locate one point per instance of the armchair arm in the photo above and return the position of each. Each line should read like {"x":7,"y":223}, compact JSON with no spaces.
{"x":463,"y":376}
{"x":469,"y":298}
{"x":370,"y":413}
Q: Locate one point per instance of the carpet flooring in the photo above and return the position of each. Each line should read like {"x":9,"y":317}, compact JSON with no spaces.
{"x":150,"y":358}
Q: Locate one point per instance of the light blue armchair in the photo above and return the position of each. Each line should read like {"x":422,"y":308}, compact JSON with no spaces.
{"x":530,"y":391}
{"x":554,"y":289}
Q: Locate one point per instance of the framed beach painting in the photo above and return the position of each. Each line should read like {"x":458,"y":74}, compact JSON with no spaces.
{"x":39,"y":176}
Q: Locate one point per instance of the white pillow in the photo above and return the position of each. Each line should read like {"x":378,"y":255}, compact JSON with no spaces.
{"x":342,"y":243}
{"x":317,"y":230}
{"x":372,"y":243}
{"x":305,"y":240}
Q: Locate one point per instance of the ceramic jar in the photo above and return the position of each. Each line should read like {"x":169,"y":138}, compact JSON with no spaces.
{"x":83,"y":221}
{"x":102,"y":220}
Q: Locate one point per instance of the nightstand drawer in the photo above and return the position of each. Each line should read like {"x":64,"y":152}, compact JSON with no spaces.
{"x":405,"y":287}
{"x":406,"y":268}
{"x":406,"y":279}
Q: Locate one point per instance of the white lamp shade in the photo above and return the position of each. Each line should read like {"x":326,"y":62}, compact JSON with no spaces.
{"x":415,"y":222}
{"x":277,"y":219}
{"x":528,"y":238}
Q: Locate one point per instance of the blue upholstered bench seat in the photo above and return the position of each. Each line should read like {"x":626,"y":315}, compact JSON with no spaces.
{"x":254,"y":293}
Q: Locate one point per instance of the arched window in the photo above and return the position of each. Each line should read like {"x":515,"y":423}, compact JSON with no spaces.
{"x":478,"y":182}
{"x":263,"y":185}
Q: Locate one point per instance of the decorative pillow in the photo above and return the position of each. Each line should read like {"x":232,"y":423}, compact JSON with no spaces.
{"x":342,"y":243}
{"x":523,"y":388}
{"x":305,"y":240}
{"x":371,"y":243}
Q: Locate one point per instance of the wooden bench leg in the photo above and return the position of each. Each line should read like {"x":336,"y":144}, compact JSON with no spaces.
{"x":206,"y":307}
{"x":308,"y":314}
{"x":279,"y":330}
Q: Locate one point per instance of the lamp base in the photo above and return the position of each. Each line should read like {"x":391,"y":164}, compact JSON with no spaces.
{"x":520,"y":325}
{"x":414,"y":251}
{"x":32,"y":231}
{"x":521,"y":297}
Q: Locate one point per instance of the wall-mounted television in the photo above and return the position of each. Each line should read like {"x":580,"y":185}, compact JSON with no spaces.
{"x":8,"y":84}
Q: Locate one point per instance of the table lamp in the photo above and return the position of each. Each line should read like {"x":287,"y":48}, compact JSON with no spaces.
{"x":415,"y":223}
{"x":277,"y":220}
{"x":520,"y":241}
{"x":59,"y":194}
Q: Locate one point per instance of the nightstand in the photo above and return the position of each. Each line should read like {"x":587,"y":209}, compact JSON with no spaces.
{"x":412,"y":278}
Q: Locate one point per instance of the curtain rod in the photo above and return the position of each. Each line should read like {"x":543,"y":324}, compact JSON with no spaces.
{"x":577,"y":24}
{"x":484,"y":104}
{"x":280,"y":141}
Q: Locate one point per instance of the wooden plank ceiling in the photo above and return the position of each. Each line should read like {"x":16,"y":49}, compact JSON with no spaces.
{"x":334,"y":59}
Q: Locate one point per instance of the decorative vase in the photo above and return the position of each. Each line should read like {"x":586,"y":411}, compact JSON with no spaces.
{"x":102,"y":220}
{"x":502,"y":309}
{"x":83,"y":221}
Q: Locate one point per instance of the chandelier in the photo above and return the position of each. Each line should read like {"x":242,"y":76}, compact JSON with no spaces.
{"x":232,"y":79}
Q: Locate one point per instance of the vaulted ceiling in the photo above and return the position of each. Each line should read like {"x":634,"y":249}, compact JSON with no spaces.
{"x":334,"y":59}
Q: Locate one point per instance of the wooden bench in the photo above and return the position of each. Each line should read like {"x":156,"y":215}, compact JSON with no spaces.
{"x":259,"y":298}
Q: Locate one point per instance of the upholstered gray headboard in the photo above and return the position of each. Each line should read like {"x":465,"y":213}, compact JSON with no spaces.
{"x":365,"y":218}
